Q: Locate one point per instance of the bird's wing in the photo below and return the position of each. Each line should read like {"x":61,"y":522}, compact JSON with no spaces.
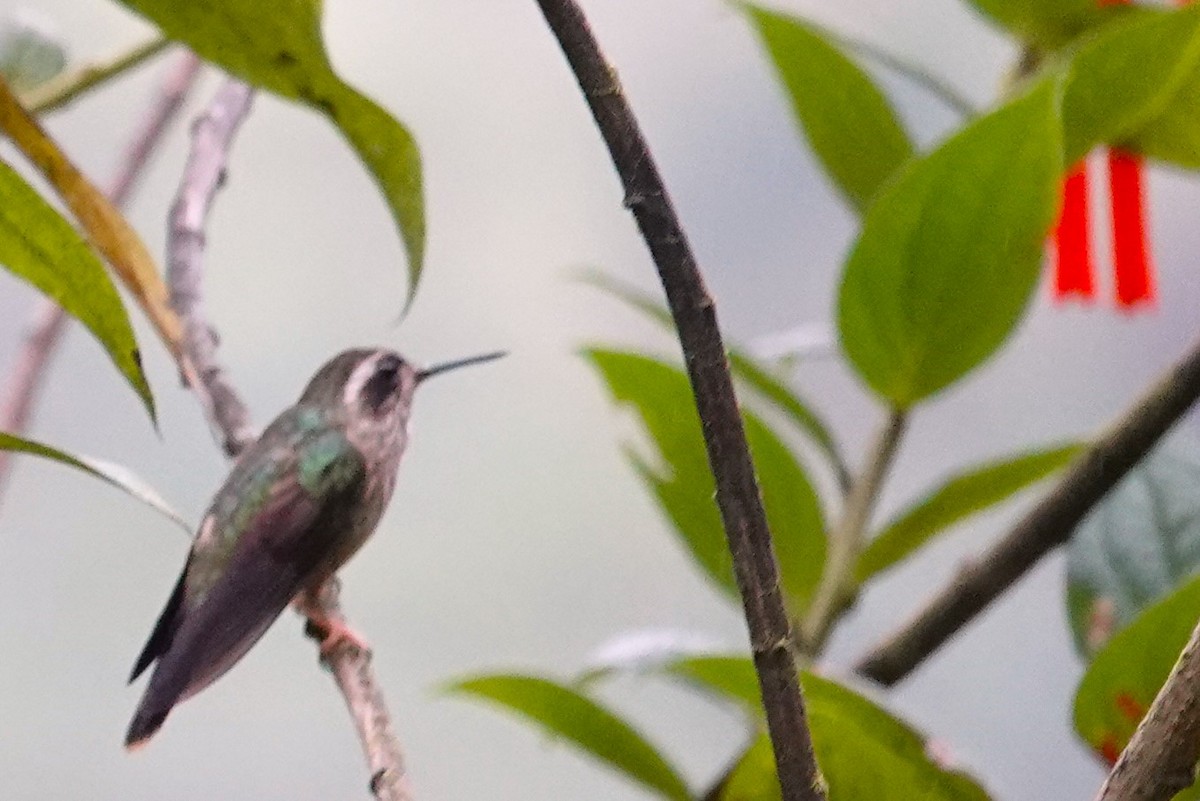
{"x":277,"y":550}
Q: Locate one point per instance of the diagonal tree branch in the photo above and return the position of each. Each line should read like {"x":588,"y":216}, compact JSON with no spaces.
{"x":48,"y":320}
{"x":1160,"y":759}
{"x":704,"y":354}
{"x":1044,"y":528}
{"x":212,"y":137}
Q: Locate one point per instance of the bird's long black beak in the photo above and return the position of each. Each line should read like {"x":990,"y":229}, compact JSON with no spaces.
{"x":429,"y":372}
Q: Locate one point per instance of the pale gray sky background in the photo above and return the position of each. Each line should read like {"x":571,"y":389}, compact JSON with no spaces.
{"x":519,"y":538}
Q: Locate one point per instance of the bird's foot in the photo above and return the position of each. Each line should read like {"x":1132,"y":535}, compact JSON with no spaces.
{"x":335,"y":635}
{"x":325,"y":623}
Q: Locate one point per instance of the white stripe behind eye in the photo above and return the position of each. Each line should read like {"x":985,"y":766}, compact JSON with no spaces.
{"x":359,"y":377}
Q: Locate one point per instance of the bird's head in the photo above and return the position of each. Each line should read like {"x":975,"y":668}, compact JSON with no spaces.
{"x":375,"y":386}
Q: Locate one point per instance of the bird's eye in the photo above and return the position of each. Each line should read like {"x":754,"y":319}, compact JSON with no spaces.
{"x":388,"y":365}
{"x":383,"y":382}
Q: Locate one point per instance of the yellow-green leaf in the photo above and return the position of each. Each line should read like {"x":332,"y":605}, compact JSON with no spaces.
{"x":116,"y":475}
{"x":1126,"y":675}
{"x":950,"y":251}
{"x":848,"y":122}
{"x":39,"y":246}
{"x":277,"y":45}
{"x":107,"y":230}
{"x":683,"y":483}
{"x":569,"y":714}
{"x":956,"y":499}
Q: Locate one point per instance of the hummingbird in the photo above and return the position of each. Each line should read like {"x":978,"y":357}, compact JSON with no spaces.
{"x":296,"y":506}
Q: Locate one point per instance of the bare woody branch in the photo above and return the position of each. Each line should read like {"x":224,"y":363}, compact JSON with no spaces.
{"x":704,"y":354}
{"x":1160,"y":759}
{"x":212,"y":137}
{"x":1044,"y":528}
{"x":48,"y":320}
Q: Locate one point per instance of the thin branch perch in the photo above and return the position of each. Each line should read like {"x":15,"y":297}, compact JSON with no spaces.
{"x":1161,"y":757}
{"x":704,"y":354}
{"x":1044,"y":528}
{"x":48,"y":320}
{"x":212,"y":136}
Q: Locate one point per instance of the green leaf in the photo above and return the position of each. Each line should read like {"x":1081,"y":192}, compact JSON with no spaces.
{"x":684,"y":486}
{"x":753,"y":777}
{"x":1049,"y":23}
{"x":30,"y":55}
{"x":1173,"y":135}
{"x":950,"y":252}
{"x":38,"y":245}
{"x":744,"y":367}
{"x":723,"y":675}
{"x":580,"y":720}
{"x":1121,"y":682}
{"x":848,"y":122}
{"x":276,"y":45}
{"x":849,"y":732}
{"x":957,"y":499}
{"x":1128,"y":74}
{"x":1137,"y":545}
{"x":116,"y":475}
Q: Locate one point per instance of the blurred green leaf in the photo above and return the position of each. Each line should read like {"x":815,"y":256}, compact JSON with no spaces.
{"x":1173,"y":135}
{"x":30,"y":53}
{"x":863,"y":750}
{"x":957,"y":499}
{"x":744,"y":367}
{"x":38,"y":245}
{"x":950,"y":252}
{"x":1129,"y":73}
{"x":723,"y":675}
{"x":848,"y":122}
{"x":753,"y":777}
{"x":1049,"y":23}
{"x":1122,"y":680}
{"x":1137,"y":545}
{"x":591,"y":727}
{"x":277,"y":45}
{"x":116,"y":475}
{"x":684,"y":486}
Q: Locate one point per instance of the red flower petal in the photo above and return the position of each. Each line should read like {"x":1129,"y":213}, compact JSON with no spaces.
{"x":1074,"y":270}
{"x":1131,"y":257}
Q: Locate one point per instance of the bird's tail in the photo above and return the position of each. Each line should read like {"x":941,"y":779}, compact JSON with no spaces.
{"x":143,"y":727}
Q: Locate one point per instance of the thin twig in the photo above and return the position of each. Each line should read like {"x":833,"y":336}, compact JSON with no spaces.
{"x":212,"y":137}
{"x":704,"y":354}
{"x":62,"y":90}
{"x":847,"y":538}
{"x":351,"y":670}
{"x":1160,"y":759}
{"x":48,"y":320}
{"x":1044,"y":528}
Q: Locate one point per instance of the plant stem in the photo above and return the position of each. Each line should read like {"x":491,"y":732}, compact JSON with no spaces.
{"x":1160,"y":759}
{"x":1044,"y":528}
{"x":62,"y":90}
{"x":738,"y":495}
{"x":847,"y":539}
